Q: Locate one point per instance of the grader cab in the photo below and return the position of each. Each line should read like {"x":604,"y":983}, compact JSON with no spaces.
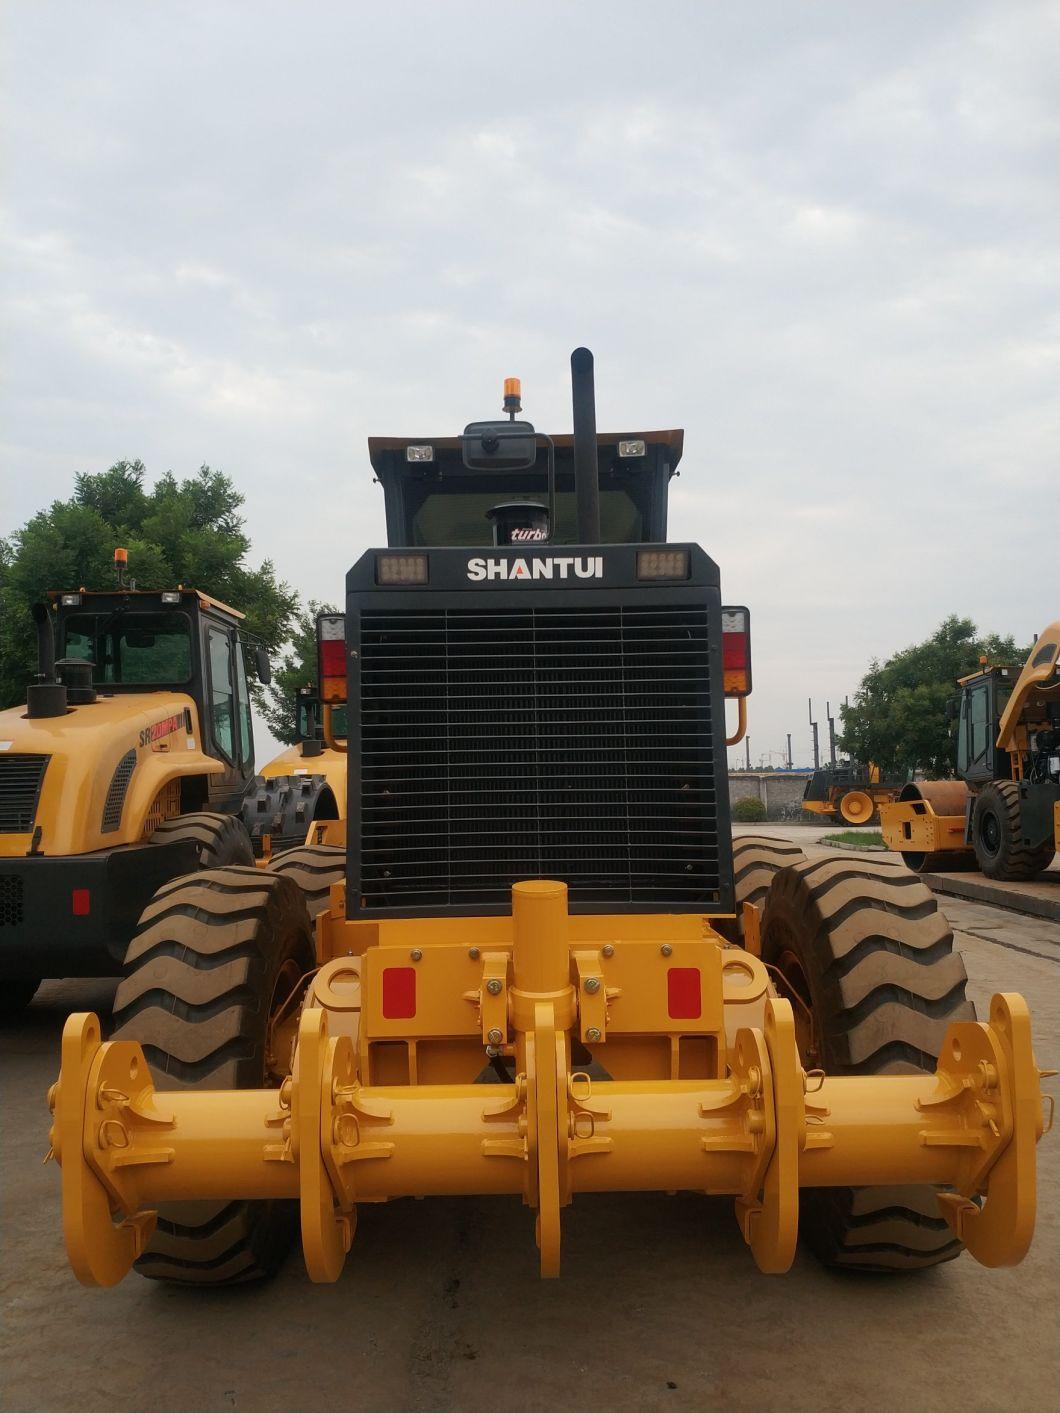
{"x":541,"y":967}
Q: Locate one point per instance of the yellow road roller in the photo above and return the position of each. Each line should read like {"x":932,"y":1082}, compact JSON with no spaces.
{"x":544,"y":970}
{"x":1002,"y":813}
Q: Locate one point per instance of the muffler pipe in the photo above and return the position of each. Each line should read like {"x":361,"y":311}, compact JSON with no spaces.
{"x":45,"y":697}
{"x":586,"y":465}
{"x":45,"y":642}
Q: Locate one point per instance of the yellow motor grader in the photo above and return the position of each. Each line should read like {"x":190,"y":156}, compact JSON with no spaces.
{"x":545,"y":971}
{"x":1002,"y":813}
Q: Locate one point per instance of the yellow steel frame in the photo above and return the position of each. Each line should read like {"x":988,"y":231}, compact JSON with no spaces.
{"x":912,"y":826}
{"x":713,"y":1099}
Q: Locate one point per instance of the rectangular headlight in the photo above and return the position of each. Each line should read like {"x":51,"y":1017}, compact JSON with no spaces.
{"x":419,"y":453}
{"x":633,"y":448}
{"x":662,"y":564}
{"x":71,"y":600}
{"x":401,"y":569}
{"x":171,"y":596}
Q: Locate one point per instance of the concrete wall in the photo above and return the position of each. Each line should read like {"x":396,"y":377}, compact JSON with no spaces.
{"x":779,"y":791}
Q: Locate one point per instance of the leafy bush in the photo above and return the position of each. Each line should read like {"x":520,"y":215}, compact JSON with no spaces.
{"x":748,"y":811}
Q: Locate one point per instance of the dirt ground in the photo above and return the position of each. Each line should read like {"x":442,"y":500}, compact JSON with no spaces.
{"x":440,"y":1307}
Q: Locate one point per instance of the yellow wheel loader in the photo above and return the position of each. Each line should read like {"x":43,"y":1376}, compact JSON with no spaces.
{"x":126,"y":768}
{"x":1002,"y":814}
{"x":546,"y":971}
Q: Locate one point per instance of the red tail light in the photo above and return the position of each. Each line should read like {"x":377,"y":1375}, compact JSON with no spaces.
{"x":736,"y":651}
{"x":331,"y":656}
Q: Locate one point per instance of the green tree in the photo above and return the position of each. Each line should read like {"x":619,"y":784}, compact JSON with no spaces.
{"x":297,"y":669}
{"x":177,"y":532}
{"x":898,"y":716}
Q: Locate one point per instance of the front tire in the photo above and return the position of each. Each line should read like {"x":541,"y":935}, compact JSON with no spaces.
{"x":756,"y":860}
{"x":217,"y":958}
{"x":221,"y":839}
{"x":997,"y":835}
{"x":314,"y":867}
{"x":868,"y":962}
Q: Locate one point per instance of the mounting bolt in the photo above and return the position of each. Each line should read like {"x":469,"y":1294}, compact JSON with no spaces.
{"x":416,"y":955}
{"x":608,"y":950}
{"x":494,"y":985}
{"x":592,"y":1034}
{"x":494,"y":1036}
{"x":666,"y":949}
{"x":473,"y":953}
{"x":592,"y":985}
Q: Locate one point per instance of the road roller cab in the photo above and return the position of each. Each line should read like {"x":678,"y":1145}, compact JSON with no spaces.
{"x":538,"y":965}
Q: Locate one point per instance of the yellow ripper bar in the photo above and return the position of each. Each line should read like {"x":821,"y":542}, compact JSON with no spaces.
{"x":759,"y":1135}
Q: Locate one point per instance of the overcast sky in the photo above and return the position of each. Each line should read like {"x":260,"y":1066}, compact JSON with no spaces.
{"x":823,"y":238}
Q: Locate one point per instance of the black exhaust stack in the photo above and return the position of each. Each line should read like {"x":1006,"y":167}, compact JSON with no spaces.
{"x":586,"y":467}
{"x":45,"y":697}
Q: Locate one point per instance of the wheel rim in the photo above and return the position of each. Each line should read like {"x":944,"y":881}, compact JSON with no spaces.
{"x":856,"y":807}
{"x":789,"y":972}
{"x":990,"y":832}
{"x":283,"y":1020}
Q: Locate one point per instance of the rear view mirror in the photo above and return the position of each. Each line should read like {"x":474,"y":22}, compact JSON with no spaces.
{"x":504,"y":446}
{"x":953,"y":708}
{"x":262,"y":665}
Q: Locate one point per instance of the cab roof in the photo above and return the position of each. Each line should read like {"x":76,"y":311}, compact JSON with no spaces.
{"x":674,"y":438}
{"x":204,"y":600}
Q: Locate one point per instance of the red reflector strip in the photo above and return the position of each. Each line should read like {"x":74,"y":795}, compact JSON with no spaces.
{"x":684,"y":998}
{"x":81,"y":902}
{"x":399,"y":993}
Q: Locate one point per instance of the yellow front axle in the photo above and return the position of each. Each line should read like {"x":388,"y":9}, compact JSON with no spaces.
{"x":759,"y":1131}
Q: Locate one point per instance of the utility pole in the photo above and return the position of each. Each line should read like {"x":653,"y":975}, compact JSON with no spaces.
{"x":789,"y":751}
{"x":831,"y":730}
{"x":816,"y":742}
{"x":747,"y":744}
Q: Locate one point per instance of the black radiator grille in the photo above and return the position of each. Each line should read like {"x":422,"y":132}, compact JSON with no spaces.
{"x":20,"y":781}
{"x":537,"y":743}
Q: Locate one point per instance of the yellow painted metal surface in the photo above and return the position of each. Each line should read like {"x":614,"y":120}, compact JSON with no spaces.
{"x":912,"y":826}
{"x":1038,"y":680}
{"x":85,"y":747}
{"x":752,"y":1126}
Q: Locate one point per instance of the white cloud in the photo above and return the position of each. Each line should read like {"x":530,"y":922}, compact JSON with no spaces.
{"x":824,"y":239}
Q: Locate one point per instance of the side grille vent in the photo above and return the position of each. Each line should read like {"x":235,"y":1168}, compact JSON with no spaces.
{"x":21,"y":777}
{"x":119,"y":785}
{"x":10,"y":900}
{"x":569,"y":743}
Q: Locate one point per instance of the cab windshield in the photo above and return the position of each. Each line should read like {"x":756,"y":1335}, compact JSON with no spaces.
{"x":454,"y":511}
{"x":131,"y":645}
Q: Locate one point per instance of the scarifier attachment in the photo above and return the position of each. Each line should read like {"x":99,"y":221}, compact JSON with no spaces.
{"x":758,"y":1130}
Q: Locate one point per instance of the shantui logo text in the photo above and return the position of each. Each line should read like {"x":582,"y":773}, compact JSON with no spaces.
{"x":558,"y":566}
